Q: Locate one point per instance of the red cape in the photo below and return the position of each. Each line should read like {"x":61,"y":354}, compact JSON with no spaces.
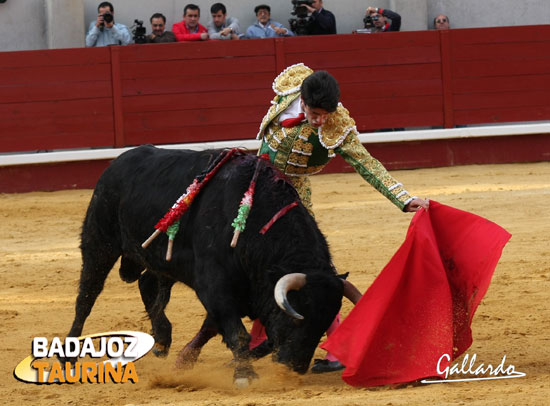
{"x":422,"y":304}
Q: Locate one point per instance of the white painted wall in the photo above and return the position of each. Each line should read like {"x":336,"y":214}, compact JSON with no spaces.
{"x":490,"y":13}
{"x":24,"y":24}
{"x":64,"y":23}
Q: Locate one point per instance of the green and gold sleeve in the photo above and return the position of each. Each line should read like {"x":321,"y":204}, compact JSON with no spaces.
{"x":373,"y":171}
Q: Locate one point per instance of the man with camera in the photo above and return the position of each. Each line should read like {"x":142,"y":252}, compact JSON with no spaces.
{"x":159,"y":35}
{"x":104,"y":31}
{"x":382,"y":20}
{"x":321,"y":21}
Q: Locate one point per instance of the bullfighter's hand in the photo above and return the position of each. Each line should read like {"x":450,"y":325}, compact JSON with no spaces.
{"x":417,"y":204}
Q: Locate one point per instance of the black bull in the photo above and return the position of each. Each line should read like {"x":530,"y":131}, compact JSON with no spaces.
{"x":138,"y":188}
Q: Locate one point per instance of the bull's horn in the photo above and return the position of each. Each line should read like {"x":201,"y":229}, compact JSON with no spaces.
{"x":351,"y":292}
{"x":292,"y":281}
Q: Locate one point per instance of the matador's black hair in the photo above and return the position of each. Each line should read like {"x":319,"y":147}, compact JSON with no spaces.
{"x":321,"y":90}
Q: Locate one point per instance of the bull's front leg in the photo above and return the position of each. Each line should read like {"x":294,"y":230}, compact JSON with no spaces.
{"x":237,"y":340}
{"x":214,"y":289}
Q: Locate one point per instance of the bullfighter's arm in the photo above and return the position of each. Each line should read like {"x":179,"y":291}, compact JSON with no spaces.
{"x":373,"y":171}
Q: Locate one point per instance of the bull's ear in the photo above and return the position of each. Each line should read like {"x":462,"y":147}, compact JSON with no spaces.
{"x":343,"y":275}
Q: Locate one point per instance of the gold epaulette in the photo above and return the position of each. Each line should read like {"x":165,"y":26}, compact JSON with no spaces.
{"x":287,"y":89}
{"x":290,"y":80}
{"x":335,"y":130}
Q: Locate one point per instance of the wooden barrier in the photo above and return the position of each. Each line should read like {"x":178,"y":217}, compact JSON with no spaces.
{"x":55,"y":99}
{"x":220,"y":90}
{"x":500,"y":74}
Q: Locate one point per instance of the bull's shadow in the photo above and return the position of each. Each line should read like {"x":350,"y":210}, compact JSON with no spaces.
{"x":141,"y":185}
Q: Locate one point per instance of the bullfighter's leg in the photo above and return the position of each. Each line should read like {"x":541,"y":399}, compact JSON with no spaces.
{"x":259,"y":345}
{"x":190,"y":353}
{"x":302,"y":184}
{"x":155,"y":293}
{"x":330,"y":363}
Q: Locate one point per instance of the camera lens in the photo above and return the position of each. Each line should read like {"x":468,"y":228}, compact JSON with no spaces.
{"x":108,"y":18}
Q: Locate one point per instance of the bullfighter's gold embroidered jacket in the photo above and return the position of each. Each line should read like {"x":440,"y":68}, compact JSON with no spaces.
{"x":304,"y":150}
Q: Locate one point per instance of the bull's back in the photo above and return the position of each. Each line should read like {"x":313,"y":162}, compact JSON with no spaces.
{"x":138,"y":187}
{"x":150,"y":169}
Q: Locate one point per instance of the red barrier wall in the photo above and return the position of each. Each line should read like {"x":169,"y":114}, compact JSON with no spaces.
{"x":218,"y":90}
{"x":55,"y":99}
{"x":500,"y":74}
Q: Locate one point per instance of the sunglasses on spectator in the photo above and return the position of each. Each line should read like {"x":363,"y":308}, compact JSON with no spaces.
{"x":443,"y":20}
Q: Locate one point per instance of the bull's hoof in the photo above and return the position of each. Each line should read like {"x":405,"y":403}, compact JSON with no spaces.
{"x":160,"y":350}
{"x":244,"y":374}
{"x":187,"y":357}
{"x":242,"y":383}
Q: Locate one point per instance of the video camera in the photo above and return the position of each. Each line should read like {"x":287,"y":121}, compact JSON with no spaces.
{"x":300,"y":11}
{"x":368,"y":21}
{"x":139,"y":31}
{"x":300,"y":23}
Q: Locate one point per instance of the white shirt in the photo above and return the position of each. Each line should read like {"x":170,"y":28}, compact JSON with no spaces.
{"x":292,"y":111}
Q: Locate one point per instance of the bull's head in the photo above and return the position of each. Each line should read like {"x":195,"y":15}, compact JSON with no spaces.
{"x":310,"y":304}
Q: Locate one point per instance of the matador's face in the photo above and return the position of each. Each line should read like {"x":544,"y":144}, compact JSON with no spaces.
{"x":316,"y":116}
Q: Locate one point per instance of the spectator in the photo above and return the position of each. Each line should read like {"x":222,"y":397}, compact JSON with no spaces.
{"x":441,"y":22}
{"x":159,"y":35}
{"x":189,"y":29}
{"x":265,"y":27}
{"x":380,"y":19}
{"x":221,"y":26}
{"x":321,"y":21}
{"x":104,"y":31}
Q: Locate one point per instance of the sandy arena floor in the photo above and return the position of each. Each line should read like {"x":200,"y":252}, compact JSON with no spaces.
{"x":40,"y":265}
